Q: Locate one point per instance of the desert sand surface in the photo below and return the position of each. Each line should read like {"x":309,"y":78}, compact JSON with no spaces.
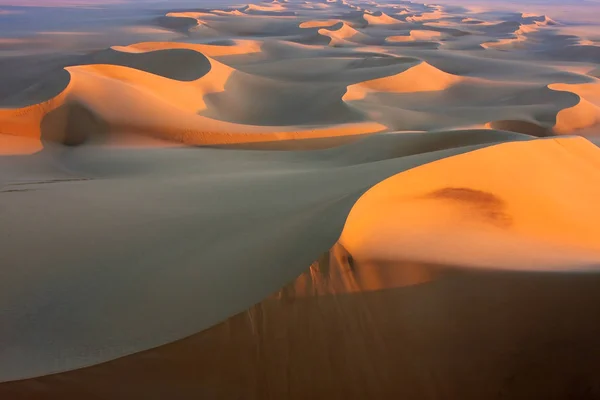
{"x":299,"y":199}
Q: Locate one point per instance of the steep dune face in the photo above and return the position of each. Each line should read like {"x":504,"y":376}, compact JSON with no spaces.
{"x":585,"y":114}
{"x":342,"y":34}
{"x":420,"y":78}
{"x":474,"y":215}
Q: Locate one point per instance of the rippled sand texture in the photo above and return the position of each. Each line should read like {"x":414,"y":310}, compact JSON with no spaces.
{"x":166,"y":191}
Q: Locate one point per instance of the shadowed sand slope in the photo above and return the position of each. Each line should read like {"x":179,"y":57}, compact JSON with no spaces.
{"x":329,"y":334}
{"x":181,"y":184}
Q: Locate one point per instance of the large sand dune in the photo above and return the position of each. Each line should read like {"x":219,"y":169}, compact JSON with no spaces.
{"x":182,"y":186}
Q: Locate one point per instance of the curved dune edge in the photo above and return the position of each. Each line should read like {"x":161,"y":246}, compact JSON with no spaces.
{"x":178,"y":61}
{"x":472,"y":217}
{"x":302,"y":191}
{"x":520,"y":35}
{"x":171,"y":113}
{"x":128,"y":100}
{"x":585,"y":114}
{"x":342,"y":34}
{"x":419,"y":78}
{"x":519,"y":39}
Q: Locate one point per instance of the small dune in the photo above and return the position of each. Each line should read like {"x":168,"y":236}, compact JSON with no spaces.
{"x":342,"y":34}
{"x":422,"y":77}
{"x":380,"y":18}
{"x":417,"y":35}
{"x":427,"y":16}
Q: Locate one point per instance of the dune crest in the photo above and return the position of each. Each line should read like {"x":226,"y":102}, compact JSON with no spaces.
{"x":422,"y":77}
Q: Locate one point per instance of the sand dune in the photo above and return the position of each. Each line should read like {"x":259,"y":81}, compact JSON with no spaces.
{"x":56,"y":118}
{"x":416,"y":35}
{"x":420,"y":78}
{"x":271,"y":7}
{"x":380,"y":18}
{"x":342,"y":34}
{"x":500,"y":215}
{"x":307,"y":177}
{"x":153,"y":190}
{"x":428,"y":16}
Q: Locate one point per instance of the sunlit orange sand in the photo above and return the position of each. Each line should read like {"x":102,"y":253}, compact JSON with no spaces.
{"x":167,"y":183}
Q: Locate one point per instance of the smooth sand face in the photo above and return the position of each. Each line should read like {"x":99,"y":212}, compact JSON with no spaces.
{"x":175,"y":172}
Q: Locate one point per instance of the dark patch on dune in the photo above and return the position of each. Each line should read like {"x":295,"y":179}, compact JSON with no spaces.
{"x":488,"y":206}
{"x":72,"y":124}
